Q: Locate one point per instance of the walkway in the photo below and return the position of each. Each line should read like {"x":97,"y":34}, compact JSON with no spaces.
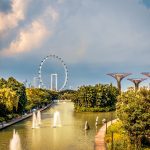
{"x":5,"y":125}
{"x":99,"y":138}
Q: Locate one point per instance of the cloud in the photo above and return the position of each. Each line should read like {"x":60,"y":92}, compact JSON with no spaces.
{"x":112,"y":31}
{"x":60,"y":1}
{"x":11,"y":19}
{"x":51,"y":13}
{"x":33,"y":35}
{"x":108,"y":36}
{"x":89,"y":31}
{"x":29,"y":38}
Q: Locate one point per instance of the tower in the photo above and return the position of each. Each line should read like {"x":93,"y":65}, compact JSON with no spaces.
{"x":54,"y":82}
{"x":119,"y":77}
{"x":136,"y":82}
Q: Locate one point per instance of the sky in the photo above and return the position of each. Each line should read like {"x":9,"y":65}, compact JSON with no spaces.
{"x":93,"y":37}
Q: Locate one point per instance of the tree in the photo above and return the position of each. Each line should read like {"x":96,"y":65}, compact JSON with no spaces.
{"x":9,"y":98}
{"x":37,"y":97}
{"x":133,"y":110}
{"x":19,"y":88}
{"x":3,"y":83}
{"x":54,"y":94}
{"x":8,"y":102}
{"x":66,"y":94}
{"x":97,"y":98}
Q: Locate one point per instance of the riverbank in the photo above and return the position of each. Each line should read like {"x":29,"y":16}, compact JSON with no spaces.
{"x":5,"y":125}
{"x":70,"y":136}
{"x":95,"y":109}
{"x":100,"y":137}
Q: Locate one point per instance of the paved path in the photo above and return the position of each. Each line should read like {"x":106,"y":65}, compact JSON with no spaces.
{"x":99,"y":138}
{"x":5,"y":125}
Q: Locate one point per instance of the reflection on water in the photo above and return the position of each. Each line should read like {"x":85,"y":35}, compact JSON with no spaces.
{"x":70,"y":136}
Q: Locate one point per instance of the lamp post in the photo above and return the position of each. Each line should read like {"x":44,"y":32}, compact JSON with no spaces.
{"x":104,"y":121}
{"x":111,"y":117}
{"x":112,"y":140}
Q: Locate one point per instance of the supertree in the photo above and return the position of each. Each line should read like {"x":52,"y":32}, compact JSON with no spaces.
{"x":119,"y":77}
{"x":147,"y":74}
{"x":136,"y":82}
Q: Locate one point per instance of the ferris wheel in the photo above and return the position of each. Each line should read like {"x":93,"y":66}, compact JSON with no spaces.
{"x":41,"y":84}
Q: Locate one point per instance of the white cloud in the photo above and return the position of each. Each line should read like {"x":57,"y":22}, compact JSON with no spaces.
{"x":92,"y":36}
{"x":11,"y":19}
{"x":91,"y":31}
{"x":112,"y":31}
{"x":33,"y":35}
{"x":60,"y":1}
{"x":28,"y":39}
{"x":52,"y":14}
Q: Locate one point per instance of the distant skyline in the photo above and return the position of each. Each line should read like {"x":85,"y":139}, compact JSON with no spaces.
{"x":93,"y":37}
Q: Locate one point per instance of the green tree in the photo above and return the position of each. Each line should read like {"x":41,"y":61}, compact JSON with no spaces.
{"x":19,"y":88}
{"x":37,"y":97}
{"x":133,"y":110}
{"x":96,"y":98}
{"x":66,"y":94}
{"x":9,"y":98}
{"x":8,"y":102}
{"x":3,"y":83}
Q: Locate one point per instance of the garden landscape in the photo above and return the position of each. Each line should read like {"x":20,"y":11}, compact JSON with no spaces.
{"x":74,"y":75}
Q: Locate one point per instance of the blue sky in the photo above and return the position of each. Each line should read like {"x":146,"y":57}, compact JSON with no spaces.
{"x":93,"y":37}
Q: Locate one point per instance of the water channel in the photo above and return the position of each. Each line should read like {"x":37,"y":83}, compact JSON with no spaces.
{"x":70,"y":136}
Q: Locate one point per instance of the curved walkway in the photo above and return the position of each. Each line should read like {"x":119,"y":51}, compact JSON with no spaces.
{"x":99,"y":138}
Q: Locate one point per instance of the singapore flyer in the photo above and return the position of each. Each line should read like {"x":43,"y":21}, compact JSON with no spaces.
{"x":62,"y":64}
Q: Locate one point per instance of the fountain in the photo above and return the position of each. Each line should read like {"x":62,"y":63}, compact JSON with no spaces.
{"x":97,"y":119}
{"x":34,"y":121}
{"x":15,"y":143}
{"x":39,"y":117}
{"x":86,"y":127}
{"x":56,"y":121}
{"x":96,"y":123}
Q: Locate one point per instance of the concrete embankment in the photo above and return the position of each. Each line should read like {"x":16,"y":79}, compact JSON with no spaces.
{"x":5,"y":125}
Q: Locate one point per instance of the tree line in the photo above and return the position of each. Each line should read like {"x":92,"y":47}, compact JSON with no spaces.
{"x":16,"y":99}
{"x":132,"y":130}
{"x":133,"y":109}
{"x":101,"y":97}
{"x":132,"y":106}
